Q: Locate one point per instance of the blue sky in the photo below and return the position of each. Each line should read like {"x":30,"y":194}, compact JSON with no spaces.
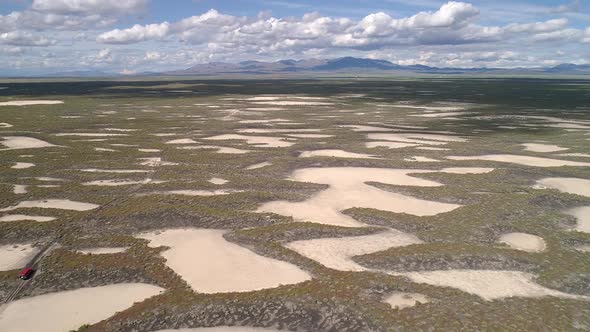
{"x":39,"y":36}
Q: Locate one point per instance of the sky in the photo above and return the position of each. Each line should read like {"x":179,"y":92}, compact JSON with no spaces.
{"x":132,"y":36}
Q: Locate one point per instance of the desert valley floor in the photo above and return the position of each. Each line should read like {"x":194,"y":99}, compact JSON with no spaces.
{"x":302,"y":205}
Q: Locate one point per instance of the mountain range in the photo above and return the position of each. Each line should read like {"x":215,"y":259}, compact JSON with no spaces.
{"x":344,"y":66}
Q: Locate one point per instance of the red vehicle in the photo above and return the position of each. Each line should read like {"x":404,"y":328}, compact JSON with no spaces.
{"x":26,"y":273}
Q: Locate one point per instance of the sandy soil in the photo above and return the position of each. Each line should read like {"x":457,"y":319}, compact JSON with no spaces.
{"x":293,"y":103}
{"x":104,"y":150}
{"x":521,"y":160}
{"x":348,"y":189}
{"x":18,"y":217}
{"x":275,"y":131}
{"x":467,"y":170}
{"x":155,"y":162}
{"x":103,"y":251}
{"x":389,"y":145}
{"x":91,"y":134}
{"x":200,"y":192}
{"x":149,"y":150}
{"x":260,"y":165}
{"x":335,"y":153}
{"x":488,"y":284}
{"x":19,"y":189}
{"x":116,"y":183}
{"x":19,"y":142}
{"x":309,"y":135}
{"x":220,"y":149}
{"x":567,"y":185}
{"x":582,"y":214}
{"x":218,"y":266}
{"x":523,"y":241}
{"x":336,"y":253}
{"x":537,"y":147}
{"x":223,"y":329}
{"x":218,"y":181}
{"x":182,"y":141}
{"x":20,"y":165}
{"x":15,"y":256}
{"x":581,"y":155}
{"x":360,"y":128}
{"x":62,"y":204}
{"x":30,"y":102}
{"x":5,"y":125}
{"x":117,"y":171}
{"x":401,"y":300}
{"x":428,"y":139}
{"x":259,"y":141}
{"x":68,"y":310}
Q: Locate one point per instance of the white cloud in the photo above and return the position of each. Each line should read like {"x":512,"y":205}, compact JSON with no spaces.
{"x":88,"y":6}
{"x":538,"y":27}
{"x":135,"y":34}
{"x":22,"y":38}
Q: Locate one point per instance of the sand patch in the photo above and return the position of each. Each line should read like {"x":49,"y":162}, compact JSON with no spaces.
{"x":582,"y":214}
{"x":21,"y":142}
{"x":259,"y":141}
{"x":103,"y":251}
{"x":61,"y":204}
{"x":104,"y":150}
{"x":91,"y":134}
{"x":421,"y":159}
{"x":149,"y":150}
{"x":467,"y":170}
{"x":219,"y":149}
{"x":19,"y":217}
{"x":19,"y":189}
{"x":68,"y":310}
{"x":488,"y":284}
{"x":580,"y":155}
{"x":521,"y":160}
{"x":336,"y":253}
{"x":389,"y":145}
{"x":347,"y":189}
{"x":431,"y":148}
{"x":259,"y":165}
{"x":334,"y":153}
{"x":567,"y":185}
{"x":309,"y":135}
{"x":544,"y":148}
{"x":360,"y":128}
{"x":218,"y":181}
{"x":218,"y":266}
{"x":16,"y":256}
{"x":155,"y":162}
{"x":293,"y":103}
{"x":182,"y":141}
{"x":117,"y":183}
{"x":30,"y":102}
{"x":116,"y":171}
{"x":262,"y":121}
{"x":523,"y":241}
{"x":5,"y":125}
{"x":401,"y":300}
{"x":275,"y":131}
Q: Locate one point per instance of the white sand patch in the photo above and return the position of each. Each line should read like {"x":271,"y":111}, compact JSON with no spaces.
{"x":70,"y":116}
{"x":582,"y":214}
{"x":220,"y":149}
{"x":259,"y":141}
{"x":347,"y":189}
{"x":428,"y":139}
{"x":523,"y":241}
{"x":580,"y":155}
{"x":30,"y":102}
{"x":467,"y":170}
{"x":5,"y":125}
{"x":218,"y":181}
{"x":488,"y":284}
{"x":428,"y":108}
{"x":165,"y":134}
{"x":536,"y":147}
{"x":16,"y":256}
{"x":223,"y":329}
{"x":62,"y":204}
{"x":117,"y":171}
{"x":335,"y":154}
{"x":262,"y":121}
{"x":120,"y":130}
{"x":336,"y":253}
{"x":421,"y":159}
{"x":521,"y":160}
{"x":155,"y":162}
{"x":68,"y":310}
{"x":567,"y":185}
{"x":48,"y":179}
{"x":48,"y":186}
{"x":19,"y":189}
{"x":309,"y":135}
{"x":103,"y":251}
{"x":401,"y":300}
{"x":218,"y":266}
{"x":116,"y":183}
{"x":441,"y":115}
{"x":19,"y":217}
{"x":21,"y":142}
{"x":259,"y":165}
{"x":182,"y":141}
{"x":218,"y":192}
{"x":91,"y":134}
{"x":583,"y":248}
{"x":360,"y":128}
{"x":149,"y":150}
{"x":293,"y":103}
{"x":275,"y":131}
{"x":389,"y":145}
{"x":431,"y":148}
{"x":104,"y":150}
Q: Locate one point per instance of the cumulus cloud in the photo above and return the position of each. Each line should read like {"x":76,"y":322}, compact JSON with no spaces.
{"x":21,"y":38}
{"x":88,"y":6}
{"x":135,"y":34}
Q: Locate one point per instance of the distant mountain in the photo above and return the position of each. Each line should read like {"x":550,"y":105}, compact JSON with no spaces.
{"x":340,"y":66}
